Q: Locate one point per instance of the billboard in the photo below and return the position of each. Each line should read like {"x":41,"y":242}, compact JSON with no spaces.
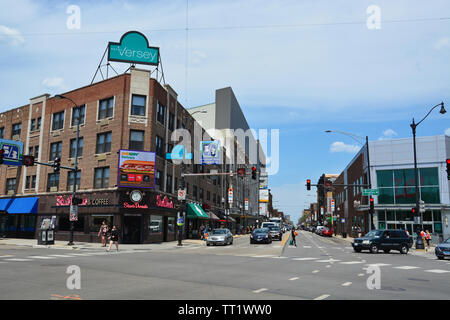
{"x":210,"y":152}
{"x":136,"y":169}
{"x":263,"y":209}
{"x":263,"y":195}
{"x":133,"y":47}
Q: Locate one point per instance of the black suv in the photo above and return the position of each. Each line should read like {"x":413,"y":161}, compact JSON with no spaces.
{"x":385,"y":240}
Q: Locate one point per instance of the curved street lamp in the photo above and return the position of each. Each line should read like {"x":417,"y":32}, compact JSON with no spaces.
{"x":413,"y":127}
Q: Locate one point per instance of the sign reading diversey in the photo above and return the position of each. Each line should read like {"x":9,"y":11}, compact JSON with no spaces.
{"x":133,"y":47}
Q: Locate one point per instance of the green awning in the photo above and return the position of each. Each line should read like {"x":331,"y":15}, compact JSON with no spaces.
{"x":194,"y":211}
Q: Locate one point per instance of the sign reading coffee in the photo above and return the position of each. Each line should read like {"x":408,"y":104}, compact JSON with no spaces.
{"x":133,"y":47}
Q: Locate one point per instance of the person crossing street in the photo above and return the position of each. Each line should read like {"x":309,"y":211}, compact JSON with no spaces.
{"x":294,"y":234}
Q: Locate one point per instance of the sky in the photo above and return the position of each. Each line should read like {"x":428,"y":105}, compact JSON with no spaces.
{"x":300,"y":66}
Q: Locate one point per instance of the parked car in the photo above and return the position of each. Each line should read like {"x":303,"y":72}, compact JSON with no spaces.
{"x":261,"y":235}
{"x":327,"y":232}
{"x":220,"y":236}
{"x":275,"y":232}
{"x":313,"y":229}
{"x":385,"y":240}
{"x":442,"y":250}
{"x":319,"y":230}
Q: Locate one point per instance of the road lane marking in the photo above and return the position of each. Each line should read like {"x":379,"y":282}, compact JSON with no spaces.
{"x":329,"y":260}
{"x":307,"y":247}
{"x":437,"y":271}
{"x":294,"y":278}
{"x":378,"y":264}
{"x":329,"y":266}
{"x":40,"y":257}
{"x":346,"y":284}
{"x":361,"y":275}
{"x":304,"y":259}
{"x":264,"y":256}
{"x":406,"y":267}
{"x":6,"y":255}
{"x":18,"y":259}
{"x":316,"y":271}
{"x":80,"y":254}
{"x":61,"y":256}
{"x":322,"y":297}
{"x":351,"y":262}
{"x":279,"y":257}
{"x":260,"y":290}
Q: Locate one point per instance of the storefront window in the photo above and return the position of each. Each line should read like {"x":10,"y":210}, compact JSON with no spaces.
{"x":438,"y":227}
{"x":437,"y":215}
{"x":64,"y":223}
{"x":405,"y":195}
{"x":171,"y":224}
{"x":96,"y":222}
{"x":390,"y":215}
{"x":384,"y":178}
{"x":404,"y":177}
{"x":427,"y":216}
{"x":156,"y":224}
{"x":430,"y":194}
{"x":386,"y":195}
{"x":381,"y":216}
{"x":429,"y":176}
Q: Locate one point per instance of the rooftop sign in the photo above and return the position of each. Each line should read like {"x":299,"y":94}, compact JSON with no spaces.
{"x":133,"y":47}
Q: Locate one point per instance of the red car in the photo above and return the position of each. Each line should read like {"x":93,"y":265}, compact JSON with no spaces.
{"x":327,"y":232}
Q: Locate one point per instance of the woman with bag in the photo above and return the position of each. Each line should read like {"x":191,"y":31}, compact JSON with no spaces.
{"x":427,"y":238}
{"x":114,"y":237}
{"x":104,"y":229}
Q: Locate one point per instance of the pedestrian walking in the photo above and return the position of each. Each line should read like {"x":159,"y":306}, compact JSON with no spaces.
{"x":104,"y":230}
{"x":113,"y":238}
{"x":359,"y":232}
{"x":407,"y":233}
{"x":428,"y":239}
{"x":294,"y":234}
{"x":202,"y":232}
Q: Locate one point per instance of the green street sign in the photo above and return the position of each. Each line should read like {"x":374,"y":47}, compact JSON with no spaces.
{"x":133,"y":47}
{"x":370,"y":192}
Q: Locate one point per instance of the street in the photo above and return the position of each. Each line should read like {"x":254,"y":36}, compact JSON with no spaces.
{"x":318,"y":268}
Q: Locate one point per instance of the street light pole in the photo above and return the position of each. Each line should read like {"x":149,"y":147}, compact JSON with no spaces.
{"x":416,"y":176}
{"x":75,"y":170}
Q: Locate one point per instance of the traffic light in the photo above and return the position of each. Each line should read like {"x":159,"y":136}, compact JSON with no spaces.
{"x":28,"y":161}
{"x":56,"y":164}
{"x":241,"y":172}
{"x":2,"y":155}
{"x":328,"y":184}
{"x":413,"y":211}
{"x":308,"y":184}
{"x":448,"y":169}
{"x":372,"y":205}
{"x":254,"y":173}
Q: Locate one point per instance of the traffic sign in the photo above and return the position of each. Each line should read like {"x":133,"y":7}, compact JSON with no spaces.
{"x":370,"y":192}
{"x":181,"y":194}
{"x":12,"y":152}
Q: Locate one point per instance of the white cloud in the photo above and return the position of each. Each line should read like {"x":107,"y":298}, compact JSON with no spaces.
{"x":388,"y":134}
{"x":340,"y":146}
{"x":12,"y":35}
{"x":447,"y":132}
{"x":55,"y":82}
{"x":442,"y":43}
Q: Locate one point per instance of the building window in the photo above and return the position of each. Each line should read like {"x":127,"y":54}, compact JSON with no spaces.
{"x":16,"y":129}
{"x":53,"y":181}
{"x":160,"y":113}
{"x":36,"y":152}
{"x":106,"y":108}
{"x":78,"y":112}
{"x":136,"y":140}
{"x":70,"y":181}
{"x":38,"y":123}
{"x":33,"y":125}
{"x":101,"y":178}
{"x":158,"y":178}
{"x":73,"y":146}
{"x":201,"y":194}
{"x":2,"y":132}
{"x":30,"y":182}
{"x":138,"y":105}
{"x":208,"y":195}
{"x":159,"y":146}
{"x":11,"y":184}
{"x":58,"y":121}
{"x":171,"y":121}
{"x":194,"y":192}
{"x":103,"y":142}
{"x":169,"y":184}
{"x":55,"y":150}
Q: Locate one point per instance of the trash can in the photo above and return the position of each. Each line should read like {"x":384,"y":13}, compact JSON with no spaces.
{"x":46,"y":236}
{"x":419,"y":243}
{"x":344,"y":234}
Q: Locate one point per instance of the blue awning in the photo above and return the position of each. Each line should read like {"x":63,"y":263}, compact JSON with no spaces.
{"x":19,"y":205}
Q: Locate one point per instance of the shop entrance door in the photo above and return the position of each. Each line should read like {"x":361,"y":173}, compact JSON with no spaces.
{"x":132,"y":229}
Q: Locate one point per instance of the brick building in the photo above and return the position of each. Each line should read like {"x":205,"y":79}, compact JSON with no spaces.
{"x":130,"y":111}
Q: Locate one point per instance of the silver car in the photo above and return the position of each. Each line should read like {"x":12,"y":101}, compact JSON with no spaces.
{"x":219,"y":236}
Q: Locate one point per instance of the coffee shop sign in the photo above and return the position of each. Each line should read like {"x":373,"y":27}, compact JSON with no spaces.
{"x":61,"y":201}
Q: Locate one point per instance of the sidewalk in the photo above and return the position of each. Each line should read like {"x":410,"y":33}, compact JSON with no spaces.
{"x":97,"y":246}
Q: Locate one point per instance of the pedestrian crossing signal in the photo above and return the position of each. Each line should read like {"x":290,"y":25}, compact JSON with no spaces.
{"x":28,"y":161}
{"x":448,"y":169}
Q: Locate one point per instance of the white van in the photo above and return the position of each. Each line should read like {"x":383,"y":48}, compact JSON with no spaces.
{"x":267,"y":224}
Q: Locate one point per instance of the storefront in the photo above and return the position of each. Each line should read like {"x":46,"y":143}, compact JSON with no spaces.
{"x":196,"y":217}
{"x":18,"y":218}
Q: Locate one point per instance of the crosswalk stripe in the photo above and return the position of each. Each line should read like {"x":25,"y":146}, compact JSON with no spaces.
{"x":346,"y":284}
{"x":406,"y":267}
{"x":306,"y":246}
{"x":294,"y":278}
{"x":41,"y":257}
{"x":351,"y":262}
{"x":378,"y":264}
{"x":260,"y":290}
{"x":437,"y":271}
{"x":322,"y":297}
{"x":329,"y":260}
{"x":18,"y":259}
{"x":61,"y":256}
{"x":264,"y":256}
{"x":279,"y":257}
{"x":304,"y":259}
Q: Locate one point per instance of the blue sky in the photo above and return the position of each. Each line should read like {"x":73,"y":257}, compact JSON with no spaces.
{"x":298,"y":66}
